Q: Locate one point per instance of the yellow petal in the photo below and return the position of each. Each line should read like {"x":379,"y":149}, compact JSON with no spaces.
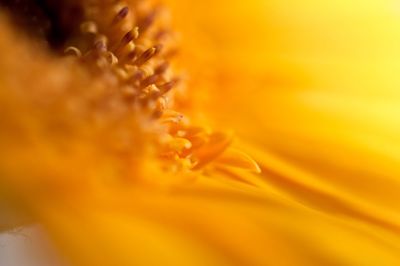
{"x":210,"y":225}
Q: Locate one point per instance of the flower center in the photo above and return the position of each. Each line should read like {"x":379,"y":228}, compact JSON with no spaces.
{"x":127,"y":43}
{"x":129,"y":47}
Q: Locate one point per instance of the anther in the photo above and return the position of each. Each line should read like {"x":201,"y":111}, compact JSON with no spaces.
{"x":138,"y":75}
{"x":130,"y":36}
{"x":161,"y":68}
{"x":148,"y":21}
{"x":146,"y":56}
{"x":166,"y":87}
{"x":131,"y":56}
{"x":161,"y":34}
{"x":150,"y":80}
{"x":121,"y":15}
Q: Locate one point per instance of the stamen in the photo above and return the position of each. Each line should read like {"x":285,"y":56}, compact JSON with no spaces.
{"x":166,"y":87}
{"x":146,"y":56}
{"x":123,"y":13}
{"x":150,"y":80}
{"x":161,"y":68}
{"x":145,"y":24}
{"x":130,"y":36}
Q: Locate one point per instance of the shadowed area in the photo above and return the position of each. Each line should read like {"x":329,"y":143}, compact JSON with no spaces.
{"x":42,"y":19}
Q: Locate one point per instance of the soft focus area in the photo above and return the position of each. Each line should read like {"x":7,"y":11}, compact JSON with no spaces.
{"x":193,"y":133}
{"x":28,"y":247}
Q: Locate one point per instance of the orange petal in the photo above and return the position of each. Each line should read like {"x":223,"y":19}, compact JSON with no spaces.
{"x":214,"y":148}
{"x":236,"y":158}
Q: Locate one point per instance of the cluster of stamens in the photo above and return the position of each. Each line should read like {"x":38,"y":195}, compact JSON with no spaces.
{"x":127,"y":43}
{"x":136,"y":50}
{"x":128,"y":47}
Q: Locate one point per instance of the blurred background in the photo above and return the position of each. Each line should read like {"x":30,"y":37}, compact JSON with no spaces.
{"x":312,"y":84}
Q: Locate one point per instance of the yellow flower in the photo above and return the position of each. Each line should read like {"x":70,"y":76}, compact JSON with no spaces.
{"x":247,"y":133}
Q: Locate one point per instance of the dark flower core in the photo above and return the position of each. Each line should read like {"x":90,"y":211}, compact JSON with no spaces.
{"x":43,"y":19}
